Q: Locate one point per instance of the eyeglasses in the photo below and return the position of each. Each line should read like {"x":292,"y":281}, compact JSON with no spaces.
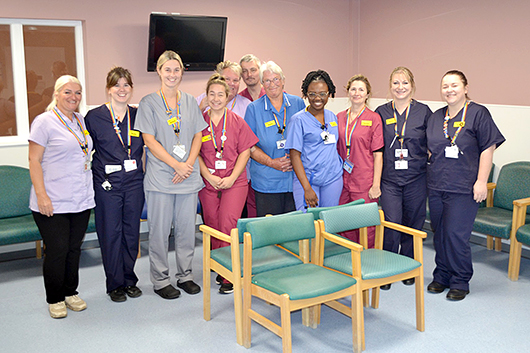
{"x":267,"y":82}
{"x":313,"y":95}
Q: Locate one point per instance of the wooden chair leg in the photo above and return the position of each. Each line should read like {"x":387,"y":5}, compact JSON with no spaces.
{"x":38,"y":249}
{"x":286,"y":324}
{"x":515,"y":260}
{"x":375,"y":297}
{"x":489,"y":242}
{"x":357,"y":321}
{"x":247,"y":299}
{"x":139,"y":249}
{"x":238,"y":310}
{"x":206,"y":286}
{"x":420,"y":303}
{"x":498,"y":244}
{"x":366,"y":298}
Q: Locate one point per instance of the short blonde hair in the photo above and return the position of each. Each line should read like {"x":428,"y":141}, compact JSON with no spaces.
{"x":227,"y":64}
{"x":59,"y":84}
{"x":166,"y":56}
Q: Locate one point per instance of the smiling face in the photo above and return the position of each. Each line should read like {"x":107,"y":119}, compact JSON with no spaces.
{"x":273,"y":84}
{"x":170,"y":74}
{"x":317,"y":95}
{"x":217,"y":97}
{"x":121,"y":92}
{"x":358,"y":93}
{"x":233,"y":80}
{"x":250,"y":73}
{"x":453,"y":90}
{"x":401,"y":87}
{"x":68,"y":98}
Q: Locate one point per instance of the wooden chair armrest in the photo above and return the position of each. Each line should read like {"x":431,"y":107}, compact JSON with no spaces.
{"x":342,"y":241}
{"x":491,"y":186}
{"x":489,"y":196}
{"x":522,"y":202}
{"x":519,"y":214}
{"x":404,"y":229}
{"x":214,"y":233}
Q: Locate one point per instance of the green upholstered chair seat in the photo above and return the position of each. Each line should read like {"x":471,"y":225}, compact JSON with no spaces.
{"x":303,"y":281}
{"x":523,"y":234}
{"x":18,"y":230}
{"x":263,"y":259}
{"x":494,"y":221}
{"x":374,"y":263}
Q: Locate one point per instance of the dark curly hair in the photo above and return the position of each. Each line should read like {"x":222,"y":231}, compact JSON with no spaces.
{"x":319,"y":75}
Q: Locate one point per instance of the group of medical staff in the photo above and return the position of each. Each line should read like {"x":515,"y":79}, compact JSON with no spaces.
{"x":255,"y":152}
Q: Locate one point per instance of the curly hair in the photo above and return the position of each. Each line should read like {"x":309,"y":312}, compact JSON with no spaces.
{"x":315,"y":76}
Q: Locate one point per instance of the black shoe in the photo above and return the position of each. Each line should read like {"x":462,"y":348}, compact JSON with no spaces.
{"x":168,"y":292}
{"x":189,"y":287}
{"x":218,"y":279}
{"x":226,"y":287}
{"x":457,"y":294}
{"x":117,"y":295}
{"x":386,"y":286}
{"x":133,"y":291}
{"x":408,"y":282}
{"x":435,"y":287}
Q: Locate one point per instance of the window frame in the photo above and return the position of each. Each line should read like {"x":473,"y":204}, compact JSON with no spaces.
{"x":16,"y":31}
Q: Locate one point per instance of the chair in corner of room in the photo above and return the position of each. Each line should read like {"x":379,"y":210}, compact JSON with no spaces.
{"x":228,"y":261}
{"x":301,"y":286}
{"x":520,"y":236}
{"x":496,"y":219}
{"x":375,"y":267}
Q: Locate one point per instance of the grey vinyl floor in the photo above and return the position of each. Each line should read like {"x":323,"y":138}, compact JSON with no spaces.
{"x":495,"y":317}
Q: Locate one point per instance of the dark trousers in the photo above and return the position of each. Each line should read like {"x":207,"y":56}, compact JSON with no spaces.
{"x":118,"y":228}
{"x":452,"y":217}
{"x":404,"y":205}
{"x":273,"y":203}
{"x":62,"y":235}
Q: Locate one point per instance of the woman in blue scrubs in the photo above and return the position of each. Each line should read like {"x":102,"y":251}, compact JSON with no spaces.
{"x":118,"y":184}
{"x":312,"y":143}
{"x":461,"y":139}
{"x":404,"y":179}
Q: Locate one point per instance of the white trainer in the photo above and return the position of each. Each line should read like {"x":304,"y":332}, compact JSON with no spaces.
{"x":57,"y":310}
{"x":75,"y":303}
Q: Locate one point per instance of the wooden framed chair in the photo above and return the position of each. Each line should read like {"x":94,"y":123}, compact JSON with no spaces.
{"x":374,"y":267}
{"x":331,"y":248}
{"x":496,"y":219}
{"x":520,"y":236}
{"x":295,"y":287}
{"x":228,"y":261}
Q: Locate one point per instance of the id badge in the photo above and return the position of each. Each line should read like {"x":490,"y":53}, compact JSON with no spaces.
{"x":130,"y":164}
{"x":111,"y":168}
{"x":87,"y":166}
{"x":179,"y":151}
{"x":106,"y":185}
{"x":330,"y":140}
{"x":220,"y":164}
{"x":347,"y":166}
{"x":280,"y":144}
{"x":451,"y":152}
{"x":401,"y":164}
{"x":401,"y":153}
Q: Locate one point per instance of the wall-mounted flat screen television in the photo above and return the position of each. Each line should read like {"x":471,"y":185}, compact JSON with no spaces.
{"x":199,"y":40}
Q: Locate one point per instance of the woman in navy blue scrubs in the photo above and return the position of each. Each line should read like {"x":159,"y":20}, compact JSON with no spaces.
{"x":404,"y":179}
{"x":118,"y":184}
{"x":461,"y":139}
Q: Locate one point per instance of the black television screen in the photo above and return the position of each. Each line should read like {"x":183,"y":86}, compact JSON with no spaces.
{"x":199,"y":40}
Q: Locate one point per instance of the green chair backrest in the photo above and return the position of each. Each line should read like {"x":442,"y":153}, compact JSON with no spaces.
{"x":243,"y":222}
{"x":316,"y":210}
{"x":15,"y":185}
{"x":275,"y":230}
{"x":352,"y":217}
{"x":513,"y":183}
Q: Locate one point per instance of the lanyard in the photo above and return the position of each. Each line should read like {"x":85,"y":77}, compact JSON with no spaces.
{"x":117,"y":129}
{"x":83,"y":144}
{"x":233,"y":102}
{"x":219,"y":153}
{"x":403,"y":128}
{"x":169,"y":112}
{"x":461,"y":125}
{"x":347,"y":137}
{"x":280,"y":128}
